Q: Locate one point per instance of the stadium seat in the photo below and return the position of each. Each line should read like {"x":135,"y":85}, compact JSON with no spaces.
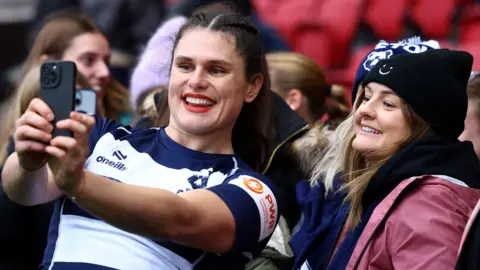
{"x":470,"y":24}
{"x":386,"y":18}
{"x":312,"y":41}
{"x":279,"y":15}
{"x":433,"y":17}
{"x":340,"y":18}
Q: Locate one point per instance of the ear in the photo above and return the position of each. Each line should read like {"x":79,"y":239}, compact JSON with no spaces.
{"x":254,"y":88}
{"x":294,"y":99}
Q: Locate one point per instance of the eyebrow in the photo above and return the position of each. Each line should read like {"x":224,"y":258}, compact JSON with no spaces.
{"x":212,"y":61}
{"x":383,"y":92}
{"x":95,"y":54}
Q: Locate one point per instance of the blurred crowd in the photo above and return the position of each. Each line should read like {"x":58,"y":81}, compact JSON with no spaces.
{"x":353,"y":126}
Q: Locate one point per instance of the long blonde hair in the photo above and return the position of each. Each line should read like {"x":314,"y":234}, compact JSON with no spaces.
{"x":28,"y":89}
{"x":342,"y":159}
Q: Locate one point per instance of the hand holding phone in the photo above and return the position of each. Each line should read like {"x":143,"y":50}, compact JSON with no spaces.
{"x":57,"y":90}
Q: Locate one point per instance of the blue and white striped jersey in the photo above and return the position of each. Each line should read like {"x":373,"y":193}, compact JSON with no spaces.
{"x":148,"y":157}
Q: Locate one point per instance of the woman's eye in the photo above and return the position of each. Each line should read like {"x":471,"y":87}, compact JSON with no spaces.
{"x":185,"y":67}
{"x":365,"y":99}
{"x":388,"y":104}
{"x":88,"y":60}
{"x":217,"y":71}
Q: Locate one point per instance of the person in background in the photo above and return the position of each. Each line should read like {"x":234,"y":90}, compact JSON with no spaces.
{"x":470,"y":244}
{"x":405,"y":178}
{"x":72,"y":36}
{"x":301,"y":83}
{"x":472,"y":121}
{"x":175,"y":197}
{"x":64,"y":36}
{"x":127,"y":24}
{"x":152,"y":71}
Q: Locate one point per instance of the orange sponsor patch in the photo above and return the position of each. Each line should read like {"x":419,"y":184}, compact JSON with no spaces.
{"x":254,"y":185}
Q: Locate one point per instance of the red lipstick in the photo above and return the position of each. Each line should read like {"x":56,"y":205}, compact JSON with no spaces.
{"x":197,"y":103}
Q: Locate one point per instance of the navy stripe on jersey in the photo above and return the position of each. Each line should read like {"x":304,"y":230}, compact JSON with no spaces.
{"x":78,"y":266}
{"x":148,"y":157}
{"x":53,"y":232}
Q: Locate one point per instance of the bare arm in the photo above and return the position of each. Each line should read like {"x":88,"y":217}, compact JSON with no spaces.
{"x":28,"y":188}
{"x":198,"y":219}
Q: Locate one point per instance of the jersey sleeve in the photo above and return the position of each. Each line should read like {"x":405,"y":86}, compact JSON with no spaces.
{"x":102,"y":126}
{"x":254,"y":206}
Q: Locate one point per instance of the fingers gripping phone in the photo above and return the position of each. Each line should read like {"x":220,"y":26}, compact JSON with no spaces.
{"x":57,"y":90}
{"x":86,"y":101}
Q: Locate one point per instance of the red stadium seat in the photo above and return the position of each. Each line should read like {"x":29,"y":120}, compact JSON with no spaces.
{"x":279,"y":15}
{"x":340,"y":19}
{"x":386,"y":18}
{"x":434,"y":17}
{"x":470,"y":24}
{"x":315,"y":43}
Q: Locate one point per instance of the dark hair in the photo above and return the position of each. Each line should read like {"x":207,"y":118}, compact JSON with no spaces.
{"x":253,"y":132}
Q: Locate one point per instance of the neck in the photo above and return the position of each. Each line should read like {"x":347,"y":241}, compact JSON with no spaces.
{"x":219,"y":142}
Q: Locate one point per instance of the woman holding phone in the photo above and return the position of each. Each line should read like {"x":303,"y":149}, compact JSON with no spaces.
{"x":176,"y":197}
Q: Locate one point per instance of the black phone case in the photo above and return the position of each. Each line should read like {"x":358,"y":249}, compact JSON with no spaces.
{"x":57,"y":89}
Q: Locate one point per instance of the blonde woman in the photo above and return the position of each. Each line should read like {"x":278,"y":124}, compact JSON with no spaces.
{"x":302,"y":84}
{"x":408,"y":184}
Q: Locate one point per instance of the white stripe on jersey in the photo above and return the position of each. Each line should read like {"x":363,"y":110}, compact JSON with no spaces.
{"x":85,"y":240}
{"x":140,"y":169}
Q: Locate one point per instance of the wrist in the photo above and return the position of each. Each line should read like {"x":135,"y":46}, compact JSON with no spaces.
{"x":31,"y":167}
{"x":74,"y":191}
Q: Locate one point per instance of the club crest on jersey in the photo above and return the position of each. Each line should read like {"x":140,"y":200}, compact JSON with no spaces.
{"x":374,"y":57}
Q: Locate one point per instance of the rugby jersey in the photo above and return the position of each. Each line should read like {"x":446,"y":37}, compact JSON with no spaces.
{"x":148,"y":157}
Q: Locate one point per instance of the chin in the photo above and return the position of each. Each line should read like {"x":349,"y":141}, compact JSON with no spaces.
{"x":195,"y":127}
{"x":362,"y":146}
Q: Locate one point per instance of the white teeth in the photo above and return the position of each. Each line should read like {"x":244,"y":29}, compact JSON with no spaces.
{"x":370,"y":130}
{"x":198,"y":101}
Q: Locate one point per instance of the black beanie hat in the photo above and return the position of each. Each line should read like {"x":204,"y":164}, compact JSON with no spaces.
{"x":433,"y":83}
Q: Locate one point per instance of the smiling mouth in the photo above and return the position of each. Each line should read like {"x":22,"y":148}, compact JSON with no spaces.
{"x":370,"y":130}
{"x":201,"y":102}
{"x":197,"y":103}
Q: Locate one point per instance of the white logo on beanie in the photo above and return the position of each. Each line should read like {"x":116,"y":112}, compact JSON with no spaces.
{"x":385,"y":72}
{"x":374,"y":57}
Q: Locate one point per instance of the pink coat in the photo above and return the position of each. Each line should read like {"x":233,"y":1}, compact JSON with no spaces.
{"x":419,"y":225}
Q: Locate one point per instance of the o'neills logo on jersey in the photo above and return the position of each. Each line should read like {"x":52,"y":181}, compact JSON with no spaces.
{"x":115,"y":164}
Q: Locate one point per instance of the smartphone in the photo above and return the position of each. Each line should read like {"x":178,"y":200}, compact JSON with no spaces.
{"x":86,"y":101}
{"x":57,"y":89}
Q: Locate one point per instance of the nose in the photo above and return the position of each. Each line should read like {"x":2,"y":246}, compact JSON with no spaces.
{"x":366,"y":110}
{"x":463,"y":136}
{"x":197,"y":79}
{"x":103,"y":72}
